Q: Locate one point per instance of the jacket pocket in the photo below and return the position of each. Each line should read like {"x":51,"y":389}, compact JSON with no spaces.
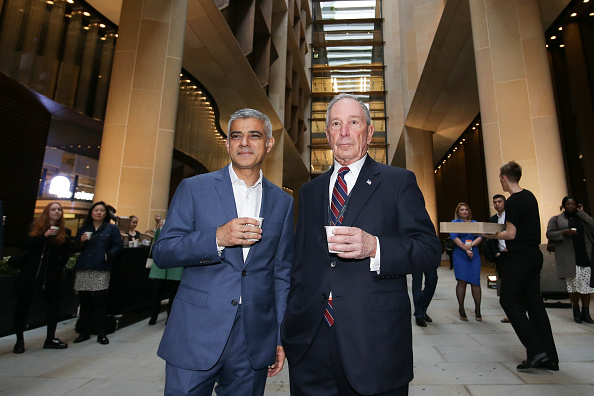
{"x":192,"y":296}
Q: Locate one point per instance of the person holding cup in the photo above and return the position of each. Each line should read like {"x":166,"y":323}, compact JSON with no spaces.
{"x":99,"y":242}
{"x":572,"y":232}
{"x":46,"y":248}
{"x":347,"y":329}
{"x":232,"y":232}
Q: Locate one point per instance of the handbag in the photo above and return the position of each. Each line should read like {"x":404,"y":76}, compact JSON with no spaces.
{"x":551,"y":246}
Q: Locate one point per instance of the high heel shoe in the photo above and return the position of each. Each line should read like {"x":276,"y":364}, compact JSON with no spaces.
{"x":102,"y":339}
{"x":463,"y":316}
{"x":19,"y":347}
{"x":586,"y":315}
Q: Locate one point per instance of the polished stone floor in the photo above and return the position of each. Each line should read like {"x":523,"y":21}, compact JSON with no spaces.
{"x":451,"y":357}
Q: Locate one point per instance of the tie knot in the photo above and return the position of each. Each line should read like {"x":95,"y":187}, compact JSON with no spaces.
{"x":343,"y":171}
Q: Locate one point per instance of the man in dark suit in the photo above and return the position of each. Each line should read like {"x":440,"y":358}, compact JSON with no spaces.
{"x":497,"y":249}
{"x":347,"y":329}
{"x":232,"y":231}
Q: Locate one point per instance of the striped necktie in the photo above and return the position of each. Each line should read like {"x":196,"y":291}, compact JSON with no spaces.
{"x":339,"y":196}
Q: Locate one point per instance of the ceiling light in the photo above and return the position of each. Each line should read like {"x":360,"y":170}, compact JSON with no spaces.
{"x":553,"y":37}
{"x":573,"y":14}
{"x":586,"y":1}
{"x":101,"y":25}
{"x":50,"y":2}
{"x":86,"y":13}
{"x":477,"y":124}
{"x":591,"y":14}
{"x":70,"y":1}
{"x":86,"y":27}
{"x":560,"y":27}
{"x":562,"y":46}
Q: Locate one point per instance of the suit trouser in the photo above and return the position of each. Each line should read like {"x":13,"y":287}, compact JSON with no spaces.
{"x":520,"y":295}
{"x":499,"y":264}
{"x":422,"y":298}
{"x":320,"y":371}
{"x":233,"y":374}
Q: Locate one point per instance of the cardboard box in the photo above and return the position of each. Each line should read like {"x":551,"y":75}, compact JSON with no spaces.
{"x":470,"y":227}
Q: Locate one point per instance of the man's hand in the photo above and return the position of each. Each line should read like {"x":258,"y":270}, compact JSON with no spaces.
{"x":240,"y":231}
{"x":569,"y":232}
{"x":277,"y":366}
{"x":353,"y":242}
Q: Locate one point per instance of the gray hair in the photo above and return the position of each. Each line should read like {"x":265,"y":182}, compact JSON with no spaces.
{"x":347,"y":96}
{"x":251,"y":113}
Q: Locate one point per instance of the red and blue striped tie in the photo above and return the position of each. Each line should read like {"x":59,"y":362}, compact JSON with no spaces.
{"x":339,"y":196}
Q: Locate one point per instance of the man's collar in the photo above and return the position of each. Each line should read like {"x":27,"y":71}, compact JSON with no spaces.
{"x":235,"y":178}
{"x":355,"y":167}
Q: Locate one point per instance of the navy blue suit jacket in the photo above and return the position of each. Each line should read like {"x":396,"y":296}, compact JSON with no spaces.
{"x":206,"y":302}
{"x":371,"y":311}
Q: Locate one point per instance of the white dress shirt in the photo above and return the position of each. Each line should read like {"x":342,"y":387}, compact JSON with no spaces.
{"x":501,"y":220}
{"x":351,"y":179}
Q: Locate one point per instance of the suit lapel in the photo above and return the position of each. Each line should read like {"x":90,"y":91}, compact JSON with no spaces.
{"x":268,"y":201}
{"x":367,"y":182}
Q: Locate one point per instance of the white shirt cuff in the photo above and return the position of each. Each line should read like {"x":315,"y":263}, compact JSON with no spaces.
{"x":374,"y":262}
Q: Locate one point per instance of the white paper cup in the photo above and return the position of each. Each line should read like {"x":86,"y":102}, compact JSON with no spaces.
{"x":54,"y":228}
{"x":574,"y":229}
{"x":89,"y":234}
{"x":260,"y":220}
{"x":329,"y":233}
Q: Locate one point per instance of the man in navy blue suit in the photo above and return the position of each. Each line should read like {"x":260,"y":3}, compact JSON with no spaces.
{"x":232,"y":231}
{"x":347,"y":328}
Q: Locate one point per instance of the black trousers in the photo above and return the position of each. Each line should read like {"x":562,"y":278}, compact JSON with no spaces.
{"x":22,"y":310}
{"x":523,"y":305}
{"x":93,"y":309}
{"x":320,"y":371}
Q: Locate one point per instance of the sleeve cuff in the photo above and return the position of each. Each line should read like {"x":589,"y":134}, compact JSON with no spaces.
{"x":374,"y":262}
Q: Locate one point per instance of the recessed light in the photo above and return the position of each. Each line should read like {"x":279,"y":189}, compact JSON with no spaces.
{"x":86,"y":13}
{"x":562,"y":45}
{"x":560,"y":27}
{"x":553,"y":37}
{"x":591,"y":14}
{"x":546,"y":45}
{"x":573,"y":14}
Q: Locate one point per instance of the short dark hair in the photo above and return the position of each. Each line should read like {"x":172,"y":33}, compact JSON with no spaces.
{"x":251,"y":113}
{"x":567,"y":198}
{"x":512,"y":170}
{"x":499,"y":196}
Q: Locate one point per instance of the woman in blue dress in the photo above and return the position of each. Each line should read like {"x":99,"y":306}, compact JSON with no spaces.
{"x":467,"y":263}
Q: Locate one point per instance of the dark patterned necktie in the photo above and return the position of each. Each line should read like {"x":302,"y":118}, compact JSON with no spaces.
{"x":339,"y":196}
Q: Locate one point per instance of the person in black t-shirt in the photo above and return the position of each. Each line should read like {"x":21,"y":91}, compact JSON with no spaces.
{"x":520,"y":288}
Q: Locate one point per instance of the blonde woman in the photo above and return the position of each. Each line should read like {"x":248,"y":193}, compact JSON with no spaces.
{"x":467,"y":263}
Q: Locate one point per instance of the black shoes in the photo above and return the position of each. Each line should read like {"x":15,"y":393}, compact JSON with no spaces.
{"x":427,"y":318}
{"x":81,"y":338}
{"x":576,"y":314}
{"x":585,"y":316}
{"x":101,"y":339}
{"x":153,"y":320}
{"x":421,"y":322}
{"x":19,"y":347}
{"x":540,"y":360}
{"x":55,"y":343}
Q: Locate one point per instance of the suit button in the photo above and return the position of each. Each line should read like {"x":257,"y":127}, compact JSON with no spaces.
{"x":324,"y":296}
{"x":333,"y":264}
{"x":244,"y":272}
{"x":234,"y":302}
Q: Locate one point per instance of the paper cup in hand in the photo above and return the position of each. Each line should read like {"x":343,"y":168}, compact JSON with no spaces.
{"x":329,"y":233}
{"x":89,"y":234}
{"x":55,"y":228}
{"x":260,"y":220}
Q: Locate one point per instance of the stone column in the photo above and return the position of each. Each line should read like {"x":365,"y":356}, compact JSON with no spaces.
{"x":137,"y":145}
{"x":518,"y":114}
{"x":419,"y":159}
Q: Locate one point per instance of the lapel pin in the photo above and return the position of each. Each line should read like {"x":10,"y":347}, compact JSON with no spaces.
{"x":369,"y":182}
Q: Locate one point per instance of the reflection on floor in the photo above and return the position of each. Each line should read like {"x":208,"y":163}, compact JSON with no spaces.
{"x":451,"y":357}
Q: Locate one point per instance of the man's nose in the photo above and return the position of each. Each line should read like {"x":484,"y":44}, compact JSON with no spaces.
{"x":245,"y":140}
{"x":344,"y":129}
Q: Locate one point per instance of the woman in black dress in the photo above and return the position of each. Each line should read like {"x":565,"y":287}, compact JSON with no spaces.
{"x":46,"y":248}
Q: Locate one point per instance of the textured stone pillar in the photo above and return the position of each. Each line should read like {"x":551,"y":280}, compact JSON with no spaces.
{"x":136,"y":150}
{"x":419,"y":159}
{"x":518,"y":114}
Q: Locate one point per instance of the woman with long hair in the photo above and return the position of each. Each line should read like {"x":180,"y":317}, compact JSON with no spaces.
{"x":572,"y":232}
{"x":46,"y":247}
{"x":467,"y":263}
{"x":100,"y":242}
